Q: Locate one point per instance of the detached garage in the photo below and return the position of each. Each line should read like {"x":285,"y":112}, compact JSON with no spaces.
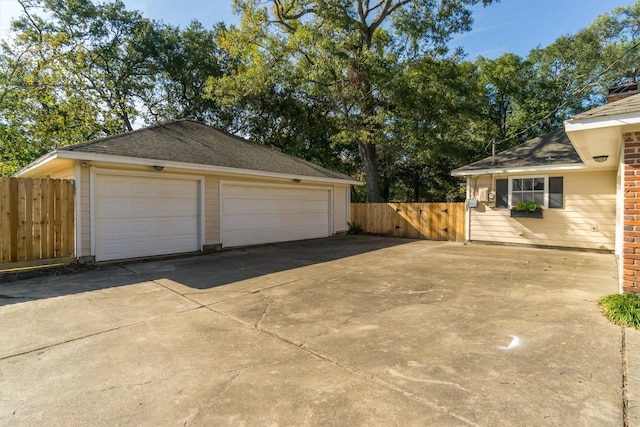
{"x":184,"y":187}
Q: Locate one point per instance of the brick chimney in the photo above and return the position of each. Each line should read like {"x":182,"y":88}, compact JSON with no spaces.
{"x":617,"y":93}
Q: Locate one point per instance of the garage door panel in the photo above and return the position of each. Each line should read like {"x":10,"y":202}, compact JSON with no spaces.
{"x":150,"y":229}
{"x":276,"y":206}
{"x":263,"y":214}
{"x":143,"y":206}
{"x":280,"y":234}
{"x":143,"y":216}
{"x":305,"y":231}
{"x":290,"y":219}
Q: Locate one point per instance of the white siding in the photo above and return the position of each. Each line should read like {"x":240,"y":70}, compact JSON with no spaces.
{"x":211,"y":210}
{"x":340,"y":206}
{"x":65,"y":173}
{"x":588,"y":219}
{"x":85,"y":211}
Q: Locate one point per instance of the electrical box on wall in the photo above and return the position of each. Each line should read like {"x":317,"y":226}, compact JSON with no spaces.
{"x":473,"y":203}
{"x":491,"y":202}
{"x":483,"y":194}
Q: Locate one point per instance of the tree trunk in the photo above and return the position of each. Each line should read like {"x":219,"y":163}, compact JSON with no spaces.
{"x":372,"y":177}
{"x":385,"y":187}
{"x":416,"y":188}
{"x":127,"y":122}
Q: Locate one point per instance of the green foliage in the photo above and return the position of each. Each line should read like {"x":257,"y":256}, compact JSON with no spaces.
{"x":354,"y":228}
{"x":505,"y":81}
{"x":187,"y":59}
{"x":340,"y":66}
{"x":622,"y":309}
{"x":368,"y":91}
{"x":526,"y":206}
{"x":90,"y":70}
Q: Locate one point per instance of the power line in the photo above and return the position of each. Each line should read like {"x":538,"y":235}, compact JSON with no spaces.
{"x":573,"y":95}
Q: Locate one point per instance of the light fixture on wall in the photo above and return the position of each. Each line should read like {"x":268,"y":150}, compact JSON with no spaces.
{"x":600,"y":159}
{"x":158,"y":168}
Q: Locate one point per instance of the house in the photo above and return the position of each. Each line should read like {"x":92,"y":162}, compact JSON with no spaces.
{"x":586,"y":177}
{"x":185,"y":186}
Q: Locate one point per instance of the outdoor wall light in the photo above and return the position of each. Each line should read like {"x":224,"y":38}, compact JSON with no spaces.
{"x":158,"y":168}
{"x":600,"y":159}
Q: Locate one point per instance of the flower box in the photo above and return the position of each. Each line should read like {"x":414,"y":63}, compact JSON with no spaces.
{"x":527,"y":214}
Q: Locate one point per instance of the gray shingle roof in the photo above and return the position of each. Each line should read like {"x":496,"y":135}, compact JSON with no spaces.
{"x":624,"y":106}
{"x":553,"y":148}
{"x":186,"y":141}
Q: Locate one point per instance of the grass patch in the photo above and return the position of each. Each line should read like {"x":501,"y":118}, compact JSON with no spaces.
{"x":622,"y":309}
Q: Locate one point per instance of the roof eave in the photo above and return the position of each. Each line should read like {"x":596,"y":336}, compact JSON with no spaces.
{"x":40,"y":162}
{"x":521,"y":169}
{"x":140,"y":161}
{"x":586,"y":123}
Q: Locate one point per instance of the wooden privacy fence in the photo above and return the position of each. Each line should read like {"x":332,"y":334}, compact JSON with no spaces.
{"x":36,"y":219}
{"x":430,"y":221}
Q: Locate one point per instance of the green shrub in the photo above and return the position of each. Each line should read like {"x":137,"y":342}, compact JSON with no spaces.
{"x":622,"y":309}
{"x":354,"y":229}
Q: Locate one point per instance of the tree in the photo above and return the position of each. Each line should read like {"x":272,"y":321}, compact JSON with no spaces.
{"x":186,"y":60}
{"x":345,"y":55}
{"x":81,"y":71}
{"x":38,"y":110}
{"x":439,"y":126}
{"x":89,"y":70}
{"x":529,"y":97}
{"x":573,"y":73}
{"x":505,"y":80}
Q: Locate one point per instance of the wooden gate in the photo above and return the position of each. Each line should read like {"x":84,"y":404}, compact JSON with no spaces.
{"x":429,"y":221}
{"x":36,"y":219}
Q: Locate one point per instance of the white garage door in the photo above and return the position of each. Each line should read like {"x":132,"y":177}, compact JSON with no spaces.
{"x":262,"y":214}
{"x":143,"y":216}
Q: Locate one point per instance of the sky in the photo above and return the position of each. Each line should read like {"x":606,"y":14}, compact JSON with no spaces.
{"x":510,"y":26}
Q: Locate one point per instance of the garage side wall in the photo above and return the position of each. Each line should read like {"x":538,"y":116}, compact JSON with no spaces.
{"x":83,"y":221}
{"x":65,"y":173}
{"x":587,"y":220}
{"x":85,"y":212}
{"x":211,"y":210}
{"x":341,"y":209}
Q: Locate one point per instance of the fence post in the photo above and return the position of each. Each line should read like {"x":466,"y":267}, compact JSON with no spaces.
{"x":5,"y":220}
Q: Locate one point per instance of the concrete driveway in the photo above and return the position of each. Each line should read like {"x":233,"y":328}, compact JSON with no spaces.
{"x":351,"y":330}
